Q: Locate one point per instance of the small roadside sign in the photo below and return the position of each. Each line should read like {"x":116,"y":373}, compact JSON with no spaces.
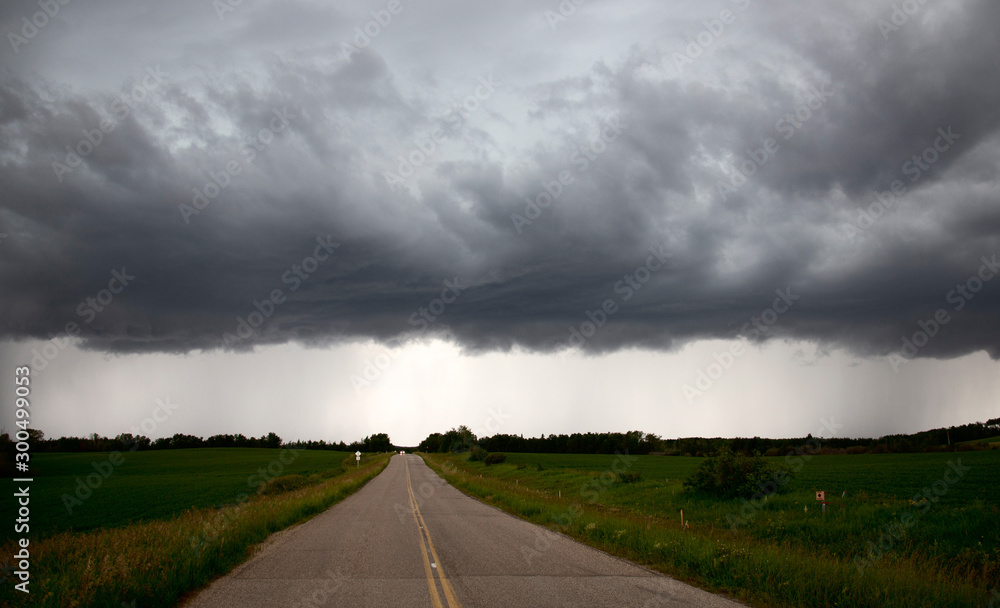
{"x":357,"y":457}
{"x":821,"y":497}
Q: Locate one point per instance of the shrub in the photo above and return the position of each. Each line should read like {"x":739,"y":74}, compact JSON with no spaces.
{"x":521,"y":466}
{"x":284,"y":483}
{"x":539,"y":467}
{"x":734,"y":475}
{"x":629,"y":477}
{"x":495,"y":458}
{"x":477,"y":453}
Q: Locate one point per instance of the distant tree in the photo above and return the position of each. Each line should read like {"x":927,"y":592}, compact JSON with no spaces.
{"x":650,"y":443}
{"x":160,"y":443}
{"x":378,"y":442}
{"x":221,"y":441}
{"x":127,"y":442}
{"x":272,"y":441}
{"x":461,"y":439}
{"x":432,"y":443}
{"x":181,"y":441}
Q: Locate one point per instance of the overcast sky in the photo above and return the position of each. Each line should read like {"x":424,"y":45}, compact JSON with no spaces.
{"x":335,"y":219}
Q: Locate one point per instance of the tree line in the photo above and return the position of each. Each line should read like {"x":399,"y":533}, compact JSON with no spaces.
{"x":462,"y":439}
{"x":378,"y":442}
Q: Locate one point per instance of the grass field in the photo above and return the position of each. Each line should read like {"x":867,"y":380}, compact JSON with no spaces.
{"x":172,"y":522}
{"x":152,"y":485}
{"x":944,"y":551}
{"x":882,"y":475}
{"x":994,"y":439}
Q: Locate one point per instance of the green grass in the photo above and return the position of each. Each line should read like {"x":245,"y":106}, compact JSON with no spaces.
{"x":785,"y":553}
{"x":889,"y":475}
{"x":159,"y":561}
{"x":155,"y":484}
{"x":994,"y":439}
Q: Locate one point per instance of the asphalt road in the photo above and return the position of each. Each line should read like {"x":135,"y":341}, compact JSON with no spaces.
{"x":408,"y":539}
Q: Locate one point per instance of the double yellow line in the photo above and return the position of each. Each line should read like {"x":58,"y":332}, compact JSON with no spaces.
{"x":425,"y":542}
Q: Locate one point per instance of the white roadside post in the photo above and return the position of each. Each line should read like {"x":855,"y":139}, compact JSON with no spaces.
{"x":357,"y":457}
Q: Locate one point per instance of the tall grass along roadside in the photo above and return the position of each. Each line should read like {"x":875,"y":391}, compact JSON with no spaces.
{"x":155,"y":564}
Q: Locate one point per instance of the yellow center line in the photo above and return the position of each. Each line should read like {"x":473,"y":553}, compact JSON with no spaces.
{"x":435,"y":598}
{"x":449,"y":592}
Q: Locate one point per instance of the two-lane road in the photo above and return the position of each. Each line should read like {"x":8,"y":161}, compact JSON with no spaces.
{"x":408,"y":539}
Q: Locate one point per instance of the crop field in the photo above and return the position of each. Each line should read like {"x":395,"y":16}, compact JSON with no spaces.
{"x":876,"y":475}
{"x":900,"y":529}
{"x":157,"y":484}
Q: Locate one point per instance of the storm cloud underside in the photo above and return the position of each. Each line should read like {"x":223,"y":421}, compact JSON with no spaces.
{"x":685,"y":128}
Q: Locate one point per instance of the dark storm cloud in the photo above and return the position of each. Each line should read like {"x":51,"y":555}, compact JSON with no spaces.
{"x":337,"y":124}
